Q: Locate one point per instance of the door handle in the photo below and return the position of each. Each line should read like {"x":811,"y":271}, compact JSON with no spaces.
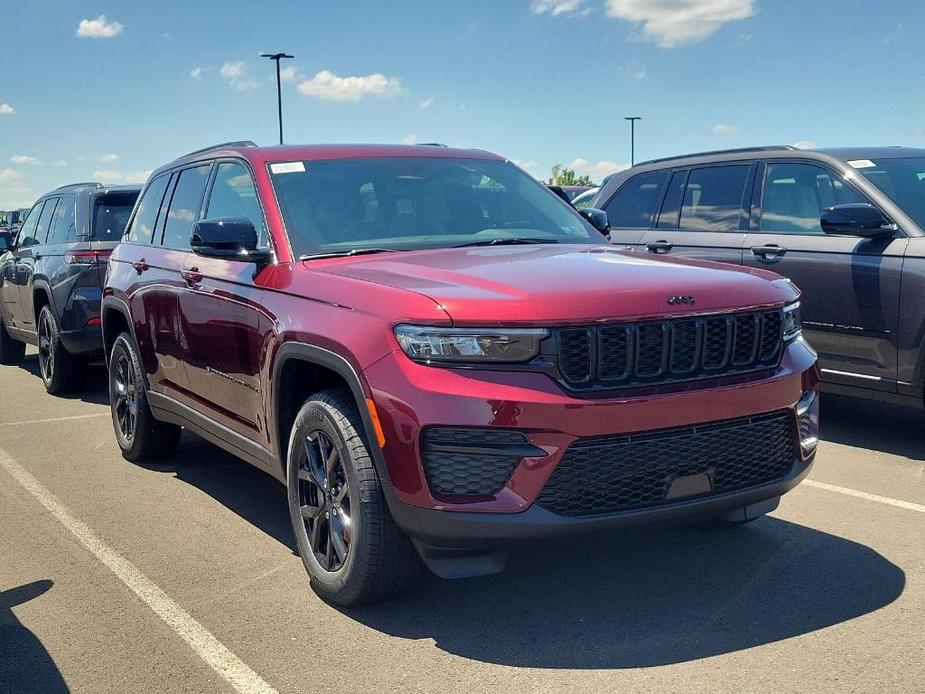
{"x":769,"y":251}
{"x":141,"y":265}
{"x":192,"y":276}
{"x":659,"y":246}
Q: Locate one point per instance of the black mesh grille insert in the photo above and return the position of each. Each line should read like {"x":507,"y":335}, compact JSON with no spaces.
{"x":612,"y":474}
{"x":669,"y":351}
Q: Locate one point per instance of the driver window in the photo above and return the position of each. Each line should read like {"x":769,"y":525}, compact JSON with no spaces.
{"x":795,"y":195}
{"x":26,"y":235}
{"x":234,"y":195}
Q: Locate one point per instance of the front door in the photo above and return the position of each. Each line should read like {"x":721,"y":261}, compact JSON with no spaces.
{"x":29,"y":249}
{"x":850,"y":302}
{"x":10,"y":304}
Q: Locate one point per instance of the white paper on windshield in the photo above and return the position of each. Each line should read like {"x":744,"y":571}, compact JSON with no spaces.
{"x":282,"y":167}
{"x":861,"y":163}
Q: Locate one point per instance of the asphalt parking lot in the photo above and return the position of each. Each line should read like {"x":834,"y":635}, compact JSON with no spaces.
{"x":182,"y":577}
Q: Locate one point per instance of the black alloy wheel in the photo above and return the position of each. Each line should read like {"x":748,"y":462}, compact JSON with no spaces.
{"x":126,"y":397}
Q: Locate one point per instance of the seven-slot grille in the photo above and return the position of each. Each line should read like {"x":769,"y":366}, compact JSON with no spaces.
{"x":668,"y":351}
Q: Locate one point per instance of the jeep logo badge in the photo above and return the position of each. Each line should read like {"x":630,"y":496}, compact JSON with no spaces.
{"x":685,"y":299}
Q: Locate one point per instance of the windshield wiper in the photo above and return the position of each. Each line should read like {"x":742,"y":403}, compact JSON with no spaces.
{"x":343,"y":254}
{"x":514,"y":241}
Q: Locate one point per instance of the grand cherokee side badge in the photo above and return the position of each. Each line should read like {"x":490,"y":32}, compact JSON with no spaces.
{"x":685,"y":299}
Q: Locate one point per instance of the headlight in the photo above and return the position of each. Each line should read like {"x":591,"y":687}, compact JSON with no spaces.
{"x":793,"y":325}
{"x":469,"y":345}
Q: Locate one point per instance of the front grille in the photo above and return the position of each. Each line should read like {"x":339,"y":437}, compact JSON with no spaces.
{"x":472,"y":462}
{"x":668,"y":351}
{"x":620,"y":473}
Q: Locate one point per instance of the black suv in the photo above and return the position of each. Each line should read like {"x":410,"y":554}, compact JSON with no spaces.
{"x":846,"y":225}
{"x":51,"y":278}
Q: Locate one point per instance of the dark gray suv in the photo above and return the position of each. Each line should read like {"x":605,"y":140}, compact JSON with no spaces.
{"x":847,"y":226}
{"x":51,"y":279}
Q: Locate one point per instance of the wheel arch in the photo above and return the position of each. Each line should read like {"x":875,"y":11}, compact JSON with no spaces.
{"x":41,"y":296}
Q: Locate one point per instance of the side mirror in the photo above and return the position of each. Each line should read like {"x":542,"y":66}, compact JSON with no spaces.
{"x":231,"y":238}
{"x":856,"y":219}
{"x":596,"y":218}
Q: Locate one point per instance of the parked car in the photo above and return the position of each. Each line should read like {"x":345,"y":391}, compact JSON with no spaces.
{"x":846,"y":225}
{"x":583,"y":200}
{"x":440,"y":358}
{"x":6,"y":241}
{"x":51,"y":280}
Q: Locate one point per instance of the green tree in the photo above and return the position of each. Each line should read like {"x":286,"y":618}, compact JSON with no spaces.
{"x":562,"y":176}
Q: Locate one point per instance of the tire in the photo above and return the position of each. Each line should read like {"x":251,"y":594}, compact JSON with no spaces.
{"x":11,"y":351}
{"x":140,"y":436}
{"x":368,"y":558}
{"x":57,"y":367}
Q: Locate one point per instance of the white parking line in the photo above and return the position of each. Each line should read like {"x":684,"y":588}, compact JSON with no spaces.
{"x":212,"y":651}
{"x":898,"y":503}
{"x":54,"y":419}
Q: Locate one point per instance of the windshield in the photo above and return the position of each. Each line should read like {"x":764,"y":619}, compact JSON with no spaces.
{"x":110,"y":215}
{"x":902,"y":180}
{"x":404,"y":203}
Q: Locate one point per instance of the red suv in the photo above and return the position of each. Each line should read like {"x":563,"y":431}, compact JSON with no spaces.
{"x":439,"y":358}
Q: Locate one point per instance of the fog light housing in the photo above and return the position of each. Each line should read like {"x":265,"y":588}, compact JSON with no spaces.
{"x":808,"y":420}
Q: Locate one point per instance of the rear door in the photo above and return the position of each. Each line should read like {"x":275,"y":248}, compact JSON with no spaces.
{"x":632,"y":208}
{"x":851,"y":285}
{"x":704,"y":213}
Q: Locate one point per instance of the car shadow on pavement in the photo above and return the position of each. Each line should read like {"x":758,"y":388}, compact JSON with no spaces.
{"x":26,"y":667}
{"x":93,"y":389}
{"x":874,"y":425}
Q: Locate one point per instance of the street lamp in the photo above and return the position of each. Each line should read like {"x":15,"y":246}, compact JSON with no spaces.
{"x":632,"y":120}
{"x":279,"y":90}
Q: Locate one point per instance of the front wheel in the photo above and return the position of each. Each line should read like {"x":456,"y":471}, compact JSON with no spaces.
{"x":140,"y":436}
{"x":352,"y":549}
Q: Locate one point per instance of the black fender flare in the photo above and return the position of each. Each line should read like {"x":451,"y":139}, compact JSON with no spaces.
{"x":319,"y":356}
{"x":42,"y":285}
{"x":118,"y":305}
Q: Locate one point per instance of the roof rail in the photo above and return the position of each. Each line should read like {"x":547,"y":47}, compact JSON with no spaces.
{"x":738,"y":150}
{"x":222,"y":145}
{"x":84,"y":184}
{"x":431,"y":144}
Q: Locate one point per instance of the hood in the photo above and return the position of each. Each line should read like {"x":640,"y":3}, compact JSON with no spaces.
{"x":563,"y":284}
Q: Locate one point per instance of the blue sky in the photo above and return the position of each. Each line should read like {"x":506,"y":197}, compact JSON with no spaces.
{"x":110,"y":90}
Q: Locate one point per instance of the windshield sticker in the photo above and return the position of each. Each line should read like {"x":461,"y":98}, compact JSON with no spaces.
{"x":861,"y":163}
{"x":287,"y":167}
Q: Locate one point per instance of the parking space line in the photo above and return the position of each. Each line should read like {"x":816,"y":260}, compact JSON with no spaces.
{"x":898,"y":503}
{"x":54,"y":419}
{"x":212,"y":651}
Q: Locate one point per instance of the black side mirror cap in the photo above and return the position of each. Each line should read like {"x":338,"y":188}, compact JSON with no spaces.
{"x":856,"y":219}
{"x":231,"y":238}
{"x":596,"y":218}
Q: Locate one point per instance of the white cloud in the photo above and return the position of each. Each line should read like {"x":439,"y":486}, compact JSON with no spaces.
{"x":411,"y":139}
{"x":804,"y":144}
{"x":596,"y":170}
{"x":326,"y":85}
{"x":531,"y":167}
{"x":670,"y":23}
{"x":107,"y":176}
{"x":557,"y":7}
{"x":288,"y":73}
{"x":427,"y":103}
{"x":9,"y":176}
{"x":109,"y":158}
{"x":24,"y":159}
{"x":238,"y":76}
{"x":59,"y":163}
{"x":6,"y":109}
{"x":196,"y":73}
{"x":14,"y":192}
{"x":137,"y":176}
{"x":98,"y":28}
{"x":724,"y":129}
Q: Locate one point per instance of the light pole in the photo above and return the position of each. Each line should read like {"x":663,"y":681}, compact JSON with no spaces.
{"x":276,"y":57}
{"x":632,"y":120}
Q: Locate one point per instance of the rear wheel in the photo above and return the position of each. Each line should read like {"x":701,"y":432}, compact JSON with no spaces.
{"x":57,"y":367}
{"x":11,"y":351}
{"x":140,"y":436}
{"x":352,"y":549}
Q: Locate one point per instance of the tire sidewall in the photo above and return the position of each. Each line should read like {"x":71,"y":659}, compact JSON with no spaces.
{"x":123,"y":346}
{"x":58,"y":376}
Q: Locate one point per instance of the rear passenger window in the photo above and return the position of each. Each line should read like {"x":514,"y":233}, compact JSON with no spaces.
{"x":26,"y":236}
{"x":141,"y":228}
{"x":184,"y":206}
{"x":635,"y":203}
{"x":795,"y":195}
{"x":713,"y":198}
{"x":63,"y":220}
{"x":41,"y":231}
{"x":671,"y":208}
{"x":234,"y":195}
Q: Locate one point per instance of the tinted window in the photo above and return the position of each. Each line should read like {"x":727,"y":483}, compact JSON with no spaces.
{"x":142,"y":226}
{"x":27,"y":233}
{"x":63,"y":220}
{"x":110,"y":214}
{"x":234,"y":195}
{"x":41,"y":231}
{"x":902,"y":180}
{"x":671,"y":208}
{"x":795,"y":195}
{"x":636,"y":201}
{"x":184,"y":206}
{"x":4,"y":242}
{"x":713,"y":198}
